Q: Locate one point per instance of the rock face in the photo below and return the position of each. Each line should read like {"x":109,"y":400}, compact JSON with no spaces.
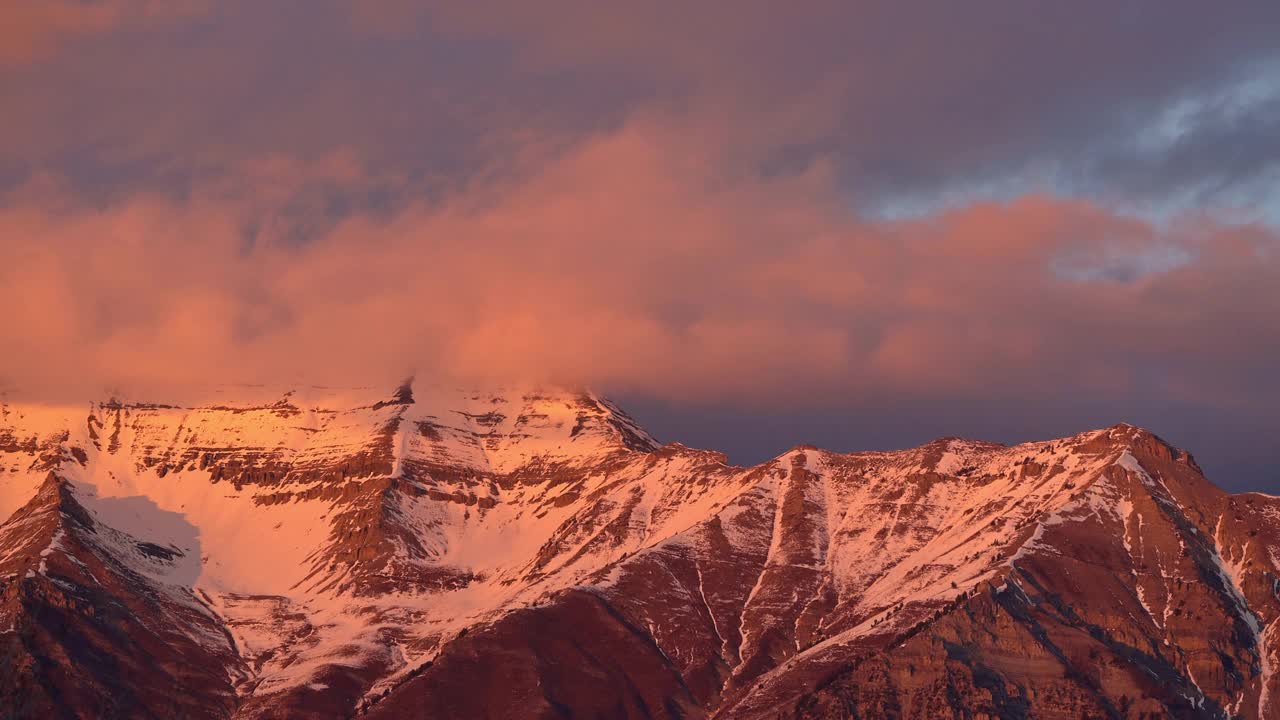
{"x":92,"y":618}
{"x":538,"y":555}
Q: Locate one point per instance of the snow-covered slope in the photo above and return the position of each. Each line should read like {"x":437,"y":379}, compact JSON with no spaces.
{"x":380,"y":552}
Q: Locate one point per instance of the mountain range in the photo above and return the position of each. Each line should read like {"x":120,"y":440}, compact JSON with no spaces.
{"x":422,"y":552}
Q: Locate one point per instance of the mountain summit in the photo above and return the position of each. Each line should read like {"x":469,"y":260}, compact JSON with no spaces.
{"x":537,"y":554}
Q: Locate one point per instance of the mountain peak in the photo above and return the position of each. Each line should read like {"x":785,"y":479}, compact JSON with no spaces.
{"x":403,"y":396}
{"x":333,"y":550}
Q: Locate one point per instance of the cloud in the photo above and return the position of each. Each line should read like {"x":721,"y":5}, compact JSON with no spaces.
{"x":938,"y":103}
{"x":914,"y":107}
{"x":35,"y":29}
{"x":841,"y":208}
{"x":634,"y":263}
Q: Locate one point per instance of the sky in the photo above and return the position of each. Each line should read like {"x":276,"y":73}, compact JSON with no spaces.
{"x":860,"y":225}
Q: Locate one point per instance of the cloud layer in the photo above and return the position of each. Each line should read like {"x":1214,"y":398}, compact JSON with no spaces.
{"x":631,"y":262}
{"x":844,"y":209}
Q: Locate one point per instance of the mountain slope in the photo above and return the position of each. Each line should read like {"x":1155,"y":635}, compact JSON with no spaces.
{"x":532,"y":554}
{"x":94,"y":618}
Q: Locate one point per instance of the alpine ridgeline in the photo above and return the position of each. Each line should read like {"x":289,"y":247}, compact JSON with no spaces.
{"x":538,"y":555}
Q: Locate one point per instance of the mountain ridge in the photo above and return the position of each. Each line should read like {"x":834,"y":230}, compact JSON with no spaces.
{"x":406,"y":537}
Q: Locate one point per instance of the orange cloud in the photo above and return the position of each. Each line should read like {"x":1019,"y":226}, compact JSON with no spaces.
{"x":633,"y":262}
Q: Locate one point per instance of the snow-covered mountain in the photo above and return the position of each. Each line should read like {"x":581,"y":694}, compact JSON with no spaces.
{"x":433,"y":553}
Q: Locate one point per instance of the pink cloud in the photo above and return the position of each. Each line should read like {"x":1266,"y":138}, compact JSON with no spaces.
{"x":633,"y":262}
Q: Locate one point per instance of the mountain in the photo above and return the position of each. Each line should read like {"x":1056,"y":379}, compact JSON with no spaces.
{"x":536,"y":554}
